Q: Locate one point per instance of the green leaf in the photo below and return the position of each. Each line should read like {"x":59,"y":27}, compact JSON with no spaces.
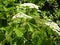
{"x":30,"y":28}
{"x":18,"y":33}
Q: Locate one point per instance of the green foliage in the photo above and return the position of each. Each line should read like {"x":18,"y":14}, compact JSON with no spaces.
{"x":22,"y":31}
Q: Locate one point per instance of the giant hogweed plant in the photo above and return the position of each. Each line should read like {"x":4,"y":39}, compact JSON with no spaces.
{"x":25,"y":26}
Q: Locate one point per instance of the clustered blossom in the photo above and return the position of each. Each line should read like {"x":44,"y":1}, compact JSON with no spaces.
{"x":21,"y":15}
{"x":31,"y":5}
{"x":54,"y":26}
{"x":49,"y":23}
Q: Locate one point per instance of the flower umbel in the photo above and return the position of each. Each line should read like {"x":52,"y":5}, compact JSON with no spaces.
{"x":31,"y":5}
{"x":21,"y":15}
{"x":54,"y":26}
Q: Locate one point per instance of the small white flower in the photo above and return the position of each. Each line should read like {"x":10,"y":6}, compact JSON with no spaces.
{"x":48,"y":23}
{"x":31,"y":5}
{"x":39,"y":10}
{"x":21,"y":15}
{"x":53,"y":26}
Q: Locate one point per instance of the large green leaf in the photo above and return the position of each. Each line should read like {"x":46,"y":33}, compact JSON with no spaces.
{"x":18,"y":32}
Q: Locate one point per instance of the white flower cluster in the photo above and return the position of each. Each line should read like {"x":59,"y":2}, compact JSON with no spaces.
{"x":54,"y":26}
{"x":21,"y":15}
{"x":31,"y":5}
